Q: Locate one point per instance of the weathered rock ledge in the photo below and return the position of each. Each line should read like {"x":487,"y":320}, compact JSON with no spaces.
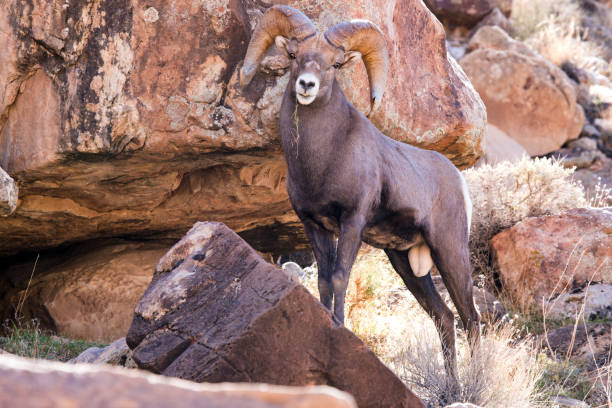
{"x":125,"y":118}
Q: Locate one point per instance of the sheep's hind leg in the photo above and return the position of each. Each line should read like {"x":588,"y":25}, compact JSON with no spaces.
{"x":453,"y":261}
{"x":430,"y":300}
{"x":324,"y":248}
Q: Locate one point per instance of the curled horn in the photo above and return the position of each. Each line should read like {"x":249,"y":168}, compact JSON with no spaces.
{"x":277,"y":20}
{"x":365,"y":37}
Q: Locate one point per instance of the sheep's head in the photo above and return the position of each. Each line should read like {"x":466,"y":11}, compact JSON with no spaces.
{"x":315,"y":57}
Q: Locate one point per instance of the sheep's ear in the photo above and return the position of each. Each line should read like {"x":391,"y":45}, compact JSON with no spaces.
{"x":282,"y":44}
{"x":350,"y":58}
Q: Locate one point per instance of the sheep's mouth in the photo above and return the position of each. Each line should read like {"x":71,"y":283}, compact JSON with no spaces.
{"x":305,"y":99}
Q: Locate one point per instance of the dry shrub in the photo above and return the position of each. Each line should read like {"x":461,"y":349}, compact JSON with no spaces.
{"x":553,"y":28}
{"x":500,"y":373}
{"x":506,"y":193}
{"x":383,"y":314}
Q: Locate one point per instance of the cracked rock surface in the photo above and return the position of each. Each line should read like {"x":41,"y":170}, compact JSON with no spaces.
{"x":216,"y":311}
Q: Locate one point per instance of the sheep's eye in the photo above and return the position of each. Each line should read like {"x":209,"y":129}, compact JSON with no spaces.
{"x":291,"y":55}
{"x":337,"y":65}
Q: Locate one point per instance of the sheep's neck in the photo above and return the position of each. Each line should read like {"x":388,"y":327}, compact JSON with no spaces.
{"x":312,"y":135}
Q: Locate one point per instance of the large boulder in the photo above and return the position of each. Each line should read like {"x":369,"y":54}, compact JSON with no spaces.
{"x":543,"y":256}
{"x":216,"y":311}
{"x":37,"y":383}
{"x":526,"y":96}
{"x":8,"y":194}
{"x":87,"y":291}
{"x":141,"y":127}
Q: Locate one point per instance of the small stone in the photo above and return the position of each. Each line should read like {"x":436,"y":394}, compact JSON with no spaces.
{"x":589,"y":130}
{"x":293,"y":269}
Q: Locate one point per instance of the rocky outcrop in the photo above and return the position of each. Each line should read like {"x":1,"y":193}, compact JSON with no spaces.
{"x":141,"y":127}
{"x":88,"y":291}
{"x":8,"y":194}
{"x":215,"y":311}
{"x":543,"y":256}
{"x":30,"y":383}
{"x":526,"y":96}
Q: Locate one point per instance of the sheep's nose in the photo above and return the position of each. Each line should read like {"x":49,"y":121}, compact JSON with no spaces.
{"x":306,"y":85}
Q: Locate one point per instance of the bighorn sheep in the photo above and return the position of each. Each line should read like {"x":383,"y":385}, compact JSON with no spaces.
{"x":346,"y":178}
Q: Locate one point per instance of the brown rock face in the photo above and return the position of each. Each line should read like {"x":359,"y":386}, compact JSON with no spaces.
{"x":464,"y":12}
{"x":141,"y":127}
{"x":8,"y":194}
{"x":37,"y":383}
{"x":544,"y":255}
{"x":89,"y":291}
{"x":526,"y":96}
{"x":215,"y":311}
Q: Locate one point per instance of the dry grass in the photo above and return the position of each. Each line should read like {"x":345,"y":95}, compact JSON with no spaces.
{"x":553,"y":28}
{"x":506,"y":193}
{"x":501,"y":373}
{"x":389,"y":320}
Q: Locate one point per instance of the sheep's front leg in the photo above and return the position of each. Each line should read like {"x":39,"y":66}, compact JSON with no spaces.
{"x":324,"y":248}
{"x":349,"y":242}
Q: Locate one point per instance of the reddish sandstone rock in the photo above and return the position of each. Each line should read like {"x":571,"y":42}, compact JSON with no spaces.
{"x":541,"y":256}
{"x":38,"y":383}
{"x":216,"y":311}
{"x":141,"y":127}
{"x":527,"y":97}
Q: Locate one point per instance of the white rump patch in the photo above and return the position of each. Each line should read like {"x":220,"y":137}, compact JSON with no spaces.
{"x":420,"y":260}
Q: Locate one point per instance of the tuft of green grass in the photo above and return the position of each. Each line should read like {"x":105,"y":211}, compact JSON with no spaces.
{"x":28,"y":340}
{"x":569,"y":379}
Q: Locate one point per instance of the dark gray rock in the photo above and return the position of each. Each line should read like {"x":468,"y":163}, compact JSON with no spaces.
{"x":215,"y":311}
